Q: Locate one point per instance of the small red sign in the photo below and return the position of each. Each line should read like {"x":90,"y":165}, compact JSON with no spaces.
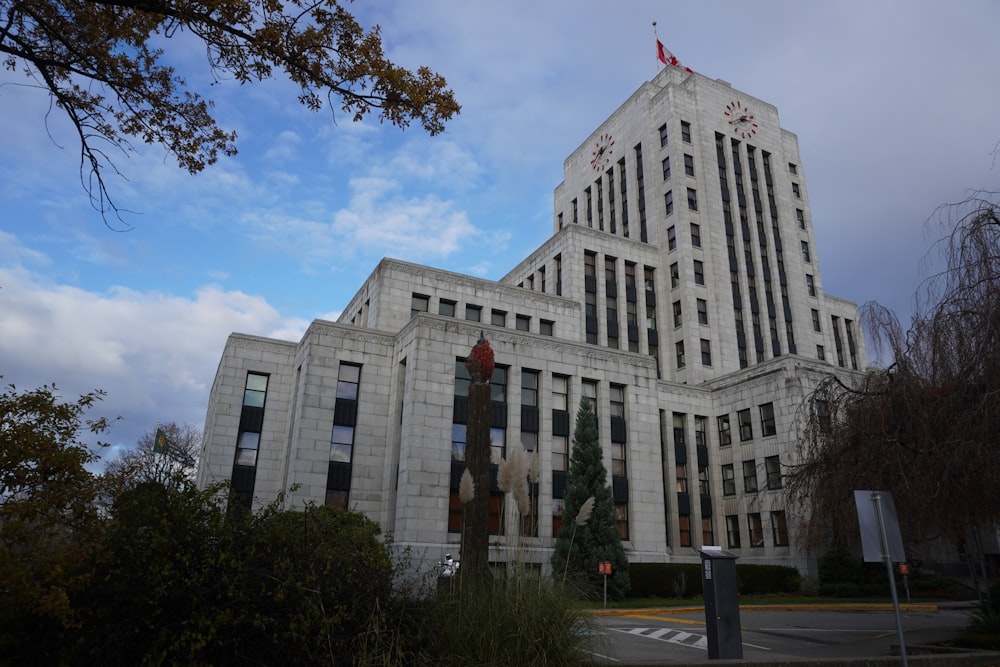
{"x":604,"y":567}
{"x":904,"y":568}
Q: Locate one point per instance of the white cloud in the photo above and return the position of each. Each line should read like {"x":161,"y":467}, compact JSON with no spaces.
{"x":284,"y":148}
{"x":154,"y":354}
{"x":417,"y":228}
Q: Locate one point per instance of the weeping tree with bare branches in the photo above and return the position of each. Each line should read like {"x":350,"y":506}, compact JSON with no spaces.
{"x":926,"y":427}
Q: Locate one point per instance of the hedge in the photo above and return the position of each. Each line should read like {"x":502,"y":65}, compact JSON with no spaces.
{"x":673,"y":580}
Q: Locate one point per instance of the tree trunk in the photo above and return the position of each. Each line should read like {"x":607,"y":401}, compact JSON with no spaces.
{"x":476,"y":513}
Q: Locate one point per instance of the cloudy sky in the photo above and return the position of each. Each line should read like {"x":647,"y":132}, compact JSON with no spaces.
{"x":896,"y":104}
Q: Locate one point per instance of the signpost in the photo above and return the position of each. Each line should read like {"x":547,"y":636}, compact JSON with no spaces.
{"x":882,"y":541}
{"x":604,"y":567}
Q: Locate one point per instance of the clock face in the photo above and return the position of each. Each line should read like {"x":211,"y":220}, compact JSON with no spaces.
{"x":602,"y":152}
{"x":740,"y":119}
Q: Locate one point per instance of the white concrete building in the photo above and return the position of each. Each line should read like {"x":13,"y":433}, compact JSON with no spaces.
{"x":680,"y":290}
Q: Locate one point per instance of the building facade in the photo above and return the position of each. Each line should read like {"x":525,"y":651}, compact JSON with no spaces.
{"x":680,"y":292}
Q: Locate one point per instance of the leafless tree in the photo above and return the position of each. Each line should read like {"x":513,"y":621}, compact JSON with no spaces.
{"x":172,"y":463}
{"x":926,"y":427}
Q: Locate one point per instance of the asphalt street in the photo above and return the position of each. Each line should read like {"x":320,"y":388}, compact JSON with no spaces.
{"x":772,"y":633}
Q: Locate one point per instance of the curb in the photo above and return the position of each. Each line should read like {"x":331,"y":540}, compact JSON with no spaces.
{"x":768,"y":607}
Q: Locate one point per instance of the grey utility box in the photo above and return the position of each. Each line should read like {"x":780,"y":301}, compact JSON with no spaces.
{"x":722,"y":609}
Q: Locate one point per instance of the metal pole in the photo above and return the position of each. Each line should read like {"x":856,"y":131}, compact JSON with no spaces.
{"x":605,"y":590}
{"x":887,"y":557}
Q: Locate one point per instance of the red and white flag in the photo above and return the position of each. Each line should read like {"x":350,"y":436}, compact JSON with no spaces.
{"x":664,"y":56}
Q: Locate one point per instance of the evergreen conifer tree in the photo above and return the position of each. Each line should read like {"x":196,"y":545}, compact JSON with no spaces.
{"x":584,"y":546}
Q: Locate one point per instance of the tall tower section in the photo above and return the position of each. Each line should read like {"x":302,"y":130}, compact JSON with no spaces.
{"x":705,"y":176}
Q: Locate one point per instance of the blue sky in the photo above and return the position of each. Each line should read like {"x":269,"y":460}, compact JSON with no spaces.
{"x":895,"y":104}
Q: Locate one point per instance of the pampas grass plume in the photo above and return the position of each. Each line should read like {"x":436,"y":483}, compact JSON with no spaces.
{"x":585,"y":509}
{"x":466,"y":490}
{"x":505,"y":474}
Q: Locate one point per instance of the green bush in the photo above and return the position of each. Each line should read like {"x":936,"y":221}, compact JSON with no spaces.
{"x":665,"y":580}
{"x":767,"y":579}
{"x":520,"y":619}
{"x":683,"y":580}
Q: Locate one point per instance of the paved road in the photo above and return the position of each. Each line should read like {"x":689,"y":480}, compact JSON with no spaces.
{"x":772,"y":634}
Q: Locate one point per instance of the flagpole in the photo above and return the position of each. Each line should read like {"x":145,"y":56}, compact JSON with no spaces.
{"x":656,"y":40}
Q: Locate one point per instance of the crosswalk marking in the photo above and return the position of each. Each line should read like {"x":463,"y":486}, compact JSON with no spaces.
{"x":688,"y":639}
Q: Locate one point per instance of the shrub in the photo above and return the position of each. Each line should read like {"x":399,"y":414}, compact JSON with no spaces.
{"x":665,"y":580}
{"x":519,"y":619}
{"x":767,"y":579}
{"x":671,"y":580}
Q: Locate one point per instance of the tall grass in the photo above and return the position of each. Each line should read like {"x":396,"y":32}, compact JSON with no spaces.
{"x":517,"y":619}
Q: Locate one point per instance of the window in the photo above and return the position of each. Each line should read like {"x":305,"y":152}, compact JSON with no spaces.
{"x":702,"y":311}
{"x":618,"y":459}
{"x":688,"y":165}
{"x":816,"y":322}
{"x":446,"y":307}
{"x":728,"y":480}
{"x":522,"y":322}
{"x":560,"y":453}
{"x":772,"y":470}
{"x":685,"y":132}
{"x":348,"y":379}
{"x":792,"y":168}
{"x":684,"y":524}
{"x":746,"y":427}
{"x":800,"y":217}
{"x":618,"y":401}
{"x":805,"y":251}
{"x":663,"y":135}
{"x":767,"y":426}
{"x":458,"y":435}
{"x":820,"y":353}
{"x":733,"y":531}
{"x":558,"y":505}
{"x":707,"y":535}
{"x":692,"y":199}
{"x":823,"y":416}
{"x":750,"y":476}
{"x":695,"y":235}
{"x":248,"y":443}
{"x":706,"y":352}
{"x":810,"y":285}
{"x":529,"y":388}
{"x":679,"y":439}
{"x":668,"y":202}
{"x":779,"y":529}
{"x":699,"y":272}
{"x":498,"y":318}
{"x":700,"y":428}
{"x":795,"y":191}
{"x":681,"y":476}
{"x":560,"y":393}
{"x":756,"y":530}
{"x":621,"y":520}
{"x":677,"y":314}
{"x":256,"y":389}
{"x":341,"y":444}
{"x":725,"y":433}
{"x":666,"y":168}
{"x":473,"y":313}
{"x":589,"y":389}
{"x":675,"y":275}
{"x":680,"y":353}
{"x":671,"y":238}
{"x":246,"y":451}
{"x":545,"y":327}
{"x":419,"y":303}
